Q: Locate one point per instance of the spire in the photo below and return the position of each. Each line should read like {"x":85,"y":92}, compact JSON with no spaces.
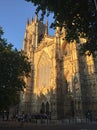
{"x":46,"y":28}
{"x":25,"y":34}
{"x":36,"y":18}
{"x":57,"y":31}
{"x":32,"y":19}
{"x":28,"y":22}
{"x":36,"y":30}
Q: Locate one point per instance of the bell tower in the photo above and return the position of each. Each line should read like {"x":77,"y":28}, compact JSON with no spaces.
{"x":35,"y":31}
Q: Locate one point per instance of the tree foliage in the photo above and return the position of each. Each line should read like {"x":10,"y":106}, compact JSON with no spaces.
{"x":78,"y":17}
{"x":13,"y":66}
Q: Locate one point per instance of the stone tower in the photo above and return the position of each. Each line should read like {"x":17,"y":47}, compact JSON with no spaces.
{"x":35,"y":30}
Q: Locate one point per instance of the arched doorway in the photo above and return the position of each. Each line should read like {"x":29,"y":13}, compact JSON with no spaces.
{"x":42,"y":110}
{"x":47,"y":108}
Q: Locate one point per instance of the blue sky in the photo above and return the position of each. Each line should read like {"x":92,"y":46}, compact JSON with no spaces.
{"x":13,"y":17}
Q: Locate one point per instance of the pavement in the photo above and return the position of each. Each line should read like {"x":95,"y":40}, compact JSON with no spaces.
{"x":10,"y":125}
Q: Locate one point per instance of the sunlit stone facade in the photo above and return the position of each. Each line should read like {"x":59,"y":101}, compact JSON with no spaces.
{"x":62,"y":83}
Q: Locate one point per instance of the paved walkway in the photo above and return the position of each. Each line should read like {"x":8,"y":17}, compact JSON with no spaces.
{"x":10,"y":125}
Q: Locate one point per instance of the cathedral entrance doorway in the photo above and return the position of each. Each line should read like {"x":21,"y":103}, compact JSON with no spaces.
{"x":44,"y":108}
{"x":47,"y":108}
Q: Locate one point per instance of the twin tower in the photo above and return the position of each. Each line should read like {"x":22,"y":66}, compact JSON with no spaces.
{"x":35,"y":31}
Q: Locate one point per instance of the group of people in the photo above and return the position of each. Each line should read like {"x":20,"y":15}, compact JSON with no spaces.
{"x":4,"y":115}
{"x":34,"y":118}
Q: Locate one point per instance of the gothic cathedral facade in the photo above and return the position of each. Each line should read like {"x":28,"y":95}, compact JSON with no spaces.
{"x":62,"y":82}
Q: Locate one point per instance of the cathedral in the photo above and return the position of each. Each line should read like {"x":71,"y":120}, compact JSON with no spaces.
{"x":62,"y":82}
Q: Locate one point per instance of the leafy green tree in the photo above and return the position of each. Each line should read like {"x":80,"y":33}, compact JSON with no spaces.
{"x":78,"y":17}
{"x":13,"y":66}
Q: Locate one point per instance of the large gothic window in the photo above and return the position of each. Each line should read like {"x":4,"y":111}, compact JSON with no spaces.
{"x":44,"y":71}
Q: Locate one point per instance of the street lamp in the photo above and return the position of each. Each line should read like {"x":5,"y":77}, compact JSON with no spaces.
{"x":75,"y":80}
{"x":95,"y":2}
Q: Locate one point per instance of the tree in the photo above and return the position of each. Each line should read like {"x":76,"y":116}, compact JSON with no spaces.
{"x":78,"y":17}
{"x":13,"y":66}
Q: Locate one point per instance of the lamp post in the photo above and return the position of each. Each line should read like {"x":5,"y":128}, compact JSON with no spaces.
{"x":75,"y":80}
{"x":74,"y":96}
{"x":95,"y":2}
